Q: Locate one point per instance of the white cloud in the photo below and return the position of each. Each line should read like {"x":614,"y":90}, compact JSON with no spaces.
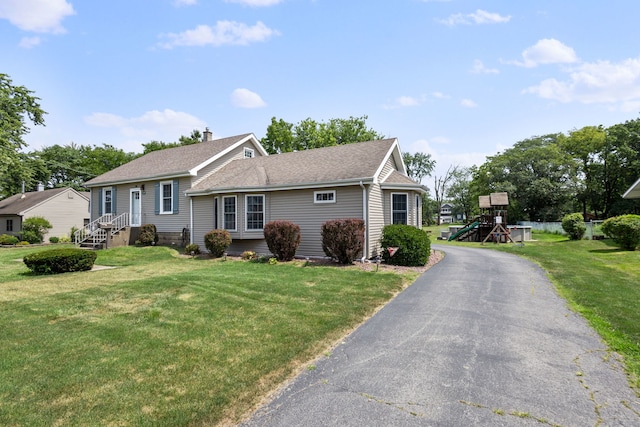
{"x":166,"y":125}
{"x":40,"y":16}
{"x":599,"y":82}
{"x":547,"y":51}
{"x":478,"y":17}
{"x":479,"y":68}
{"x":440,"y":95}
{"x":468,"y":103}
{"x":403,"y":102}
{"x":29,"y":42}
{"x":256,"y":3}
{"x":244,"y":98}
{"x":223,"y":33}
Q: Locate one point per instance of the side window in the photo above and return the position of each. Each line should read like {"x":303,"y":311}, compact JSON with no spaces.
{"x":399,"y":208}
{"x":255,"y":212}
{"x":9,"y":225}
{"x":229,"y":213}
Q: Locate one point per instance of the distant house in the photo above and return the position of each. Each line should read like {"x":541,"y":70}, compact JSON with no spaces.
{"x":446,"y":213}
{"x":64,"y":208}
{"x":233,"y":184}
{"x":633,"y":192}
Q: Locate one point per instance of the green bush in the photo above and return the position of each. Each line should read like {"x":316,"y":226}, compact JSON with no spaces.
{"x":343,"y":239}
{"x":54,"y":261}
{"x":192,"y":249}
{"x":148,"y":235}
{"x":54,"y":239}
{"x":573,"y":225}
{"x":217,"y":241}
{"x":34,"y":229}
{"x":283,"y":239}
{"x":7,"y":239}
{"x":624,"y":230}
{"x":414,"y":246}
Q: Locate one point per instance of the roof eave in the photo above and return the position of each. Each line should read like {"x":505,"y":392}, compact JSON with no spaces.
{"x":633,"y":192}
{"x":184,"y":174}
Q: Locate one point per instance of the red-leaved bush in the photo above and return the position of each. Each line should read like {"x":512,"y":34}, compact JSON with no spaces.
{"x":283,"y":239}
{"x":343,"y":239}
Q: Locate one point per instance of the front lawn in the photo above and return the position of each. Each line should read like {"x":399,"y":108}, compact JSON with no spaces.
{"x":167,"y":340}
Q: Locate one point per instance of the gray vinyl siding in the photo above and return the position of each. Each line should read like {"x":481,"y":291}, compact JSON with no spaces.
{"x":298,"y":206}
{"x":388,"y":167}
{"x":203,"y":219}
{"x":376,"y":219}
{"x":65,"y":210}
{"x":17,"y":224}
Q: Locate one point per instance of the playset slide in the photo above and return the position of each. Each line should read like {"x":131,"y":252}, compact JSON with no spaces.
{"x":464,"y":230}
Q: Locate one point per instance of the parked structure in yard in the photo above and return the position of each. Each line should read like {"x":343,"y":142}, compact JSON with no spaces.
{"x":233,"y":184}
{"x":64,"y":208}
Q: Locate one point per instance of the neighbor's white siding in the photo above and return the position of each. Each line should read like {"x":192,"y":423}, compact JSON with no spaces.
{"x":64,"y":210}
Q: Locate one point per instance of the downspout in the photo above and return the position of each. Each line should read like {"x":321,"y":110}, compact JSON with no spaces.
{"x":190,"y":220}
{"x":366,"y":226}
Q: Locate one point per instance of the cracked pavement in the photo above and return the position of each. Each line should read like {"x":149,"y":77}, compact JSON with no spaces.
{"x":479,"y":339}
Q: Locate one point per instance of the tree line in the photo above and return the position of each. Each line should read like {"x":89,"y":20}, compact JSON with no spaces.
{"x":585,"y":170}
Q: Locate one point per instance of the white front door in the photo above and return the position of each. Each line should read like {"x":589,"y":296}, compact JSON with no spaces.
{"x":136,"y":208}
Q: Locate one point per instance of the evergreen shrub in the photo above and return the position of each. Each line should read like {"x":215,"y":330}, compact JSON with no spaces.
{"x":414,"y":246}
{"x":7,"y":239}
{"x":573,"y":225}
{"x":343,"y":239}
{"x":624,"y":230}
{"x":148,"y":235}
{"x":217,"y":241}
{"x":64,"y":260}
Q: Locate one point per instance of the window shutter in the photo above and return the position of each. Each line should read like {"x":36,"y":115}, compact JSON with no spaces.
{"x":113,"y":200}
{"x":176,"y":196}
{"x":157,"y":199}
{"x":100,"y":202}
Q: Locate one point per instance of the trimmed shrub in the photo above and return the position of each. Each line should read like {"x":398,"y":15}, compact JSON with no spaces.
{"x":624,"y":230}
{"x":283,"y":239}
{"x":192,"y":249}
{"x":34,"y":229}
{"x":64,"y":260}
{"x":343,"y":239}
{"x":148,"y":235}
{"x":414,"y":246}
{"x":248,"y":255}
{"x":573,"y":225}
{"x":54,"y":239}
{"x":217,"y":242}
{"x":7,"y":239}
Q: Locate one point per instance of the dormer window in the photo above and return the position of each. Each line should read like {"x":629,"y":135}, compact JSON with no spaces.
{"x":248,"y":153}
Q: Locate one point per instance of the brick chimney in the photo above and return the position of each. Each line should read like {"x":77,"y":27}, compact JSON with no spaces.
{"x":207,"y":135}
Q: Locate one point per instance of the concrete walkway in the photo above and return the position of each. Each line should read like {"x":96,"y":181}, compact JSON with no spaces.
{"x":480,"y":339}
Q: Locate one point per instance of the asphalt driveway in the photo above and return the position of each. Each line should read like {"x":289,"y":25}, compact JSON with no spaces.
{"x":480,"y":339}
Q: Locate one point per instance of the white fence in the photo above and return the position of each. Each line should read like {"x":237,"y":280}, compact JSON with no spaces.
{"x":593,"y":228}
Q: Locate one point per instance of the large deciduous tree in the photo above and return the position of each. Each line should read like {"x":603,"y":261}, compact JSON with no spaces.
{"x":18,"y":105}
{"x":282,"y":136}
{"x":440,"y":186}
{"x":419,"y":165}
{"x":460,"y":192}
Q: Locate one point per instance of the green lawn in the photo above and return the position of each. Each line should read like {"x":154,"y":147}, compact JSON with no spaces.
{"x":598,"y":280}
{"x":167,"y":340}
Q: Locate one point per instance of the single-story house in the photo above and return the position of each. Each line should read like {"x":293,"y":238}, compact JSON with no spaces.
{"x":64,"y":208}
{"x":633,"y":192}
{"x":233,"y":184}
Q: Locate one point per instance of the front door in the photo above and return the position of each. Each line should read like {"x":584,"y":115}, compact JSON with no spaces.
{"x":136,"y":208}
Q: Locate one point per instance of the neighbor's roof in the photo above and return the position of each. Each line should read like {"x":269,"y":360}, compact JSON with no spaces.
{"x":19,"y":203}
{"x":346,"y":163}
{"x":633,"y":192}
{"x":171,"y":162}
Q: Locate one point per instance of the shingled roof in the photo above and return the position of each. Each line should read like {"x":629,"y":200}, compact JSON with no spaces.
{"x":19,"y":203}
{"x":330,"y":165}
{"x":171,"y":162}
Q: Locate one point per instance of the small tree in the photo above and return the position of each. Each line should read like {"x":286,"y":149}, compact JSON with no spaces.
{"x":624,"y":230}
{"x":573,"y":225}
{"x":283,"y":239}
{"x":343,"y":239}
{"x":217,"y":241}
{"x":34,"y":229}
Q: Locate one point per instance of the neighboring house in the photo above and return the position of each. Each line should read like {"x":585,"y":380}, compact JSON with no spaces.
{"x":232,"y":184}
{"x":446,"y":213}
{"x":64,"y":208}
{"x":633,"y":192}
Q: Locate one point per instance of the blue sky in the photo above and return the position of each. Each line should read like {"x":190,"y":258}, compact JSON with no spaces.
{"x":458,"y":79}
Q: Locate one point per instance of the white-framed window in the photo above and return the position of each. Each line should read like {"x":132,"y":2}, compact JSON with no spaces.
{"x":166,"y":197}
{"x":255,"y":211}
{"x":248,"y":153}
{"x":229,"y":213}
{"x":107,"y":201}
{"x":399,"y":208}
{"x":324,"y":196}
